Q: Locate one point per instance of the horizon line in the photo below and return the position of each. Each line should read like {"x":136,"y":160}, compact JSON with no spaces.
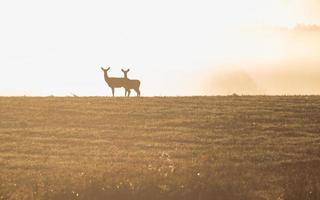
{"x":148,"y":96}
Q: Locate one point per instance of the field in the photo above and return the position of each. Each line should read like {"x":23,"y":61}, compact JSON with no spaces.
{"x":231,"y":147}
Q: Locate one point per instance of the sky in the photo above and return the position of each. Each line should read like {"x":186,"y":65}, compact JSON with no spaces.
{"x":174,"y":47}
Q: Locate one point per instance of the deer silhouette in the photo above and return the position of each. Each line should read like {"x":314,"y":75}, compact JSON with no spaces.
{"x":130,"y":83}
{"x":114,"y":82}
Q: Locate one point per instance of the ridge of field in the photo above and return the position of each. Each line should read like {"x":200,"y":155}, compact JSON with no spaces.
{"x":83,"y":147}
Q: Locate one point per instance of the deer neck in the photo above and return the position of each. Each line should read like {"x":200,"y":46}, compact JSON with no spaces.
{"x":106,"y":77}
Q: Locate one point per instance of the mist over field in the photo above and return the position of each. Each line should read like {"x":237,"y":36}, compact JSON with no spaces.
{"x":281,"y":80}
{"x":288,"y":64}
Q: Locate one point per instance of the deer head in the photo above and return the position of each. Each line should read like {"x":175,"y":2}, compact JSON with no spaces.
{"x":125,"y":72}
{"x":105,"y":70}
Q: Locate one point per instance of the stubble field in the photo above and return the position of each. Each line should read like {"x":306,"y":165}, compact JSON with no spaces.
{"x":232,"y":147}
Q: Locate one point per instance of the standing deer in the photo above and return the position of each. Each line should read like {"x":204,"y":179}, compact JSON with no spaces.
{"x":112,"y":81}
{"x":130,"y":83}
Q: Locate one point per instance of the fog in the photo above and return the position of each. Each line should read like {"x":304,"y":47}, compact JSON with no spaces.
{"x":289,"y":64}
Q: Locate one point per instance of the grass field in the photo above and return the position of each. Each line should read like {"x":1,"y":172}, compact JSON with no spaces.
{"x":233,"y":147}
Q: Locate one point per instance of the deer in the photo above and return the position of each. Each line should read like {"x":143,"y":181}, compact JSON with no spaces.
{"x":130,"y":83}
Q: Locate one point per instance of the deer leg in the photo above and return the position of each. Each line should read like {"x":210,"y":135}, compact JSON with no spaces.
{"x":112,"y":91}
{"x":138,"y":92}
{"x":125,"y":92}
{"x":129,"y":91}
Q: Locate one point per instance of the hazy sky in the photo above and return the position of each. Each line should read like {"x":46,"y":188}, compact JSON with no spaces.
{"x":175,"y":47}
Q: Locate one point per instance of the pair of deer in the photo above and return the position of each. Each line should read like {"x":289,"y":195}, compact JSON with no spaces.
{"x":125,"y":82}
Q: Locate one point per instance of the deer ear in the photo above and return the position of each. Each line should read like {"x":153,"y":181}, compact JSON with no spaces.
{"x":108,"y":68}
{"x":122,"y":70}
{"x":128,"y":70}
{"x":102,"y":68}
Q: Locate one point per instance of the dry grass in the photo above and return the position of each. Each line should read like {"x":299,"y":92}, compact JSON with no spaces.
{"x":224,"y":148}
